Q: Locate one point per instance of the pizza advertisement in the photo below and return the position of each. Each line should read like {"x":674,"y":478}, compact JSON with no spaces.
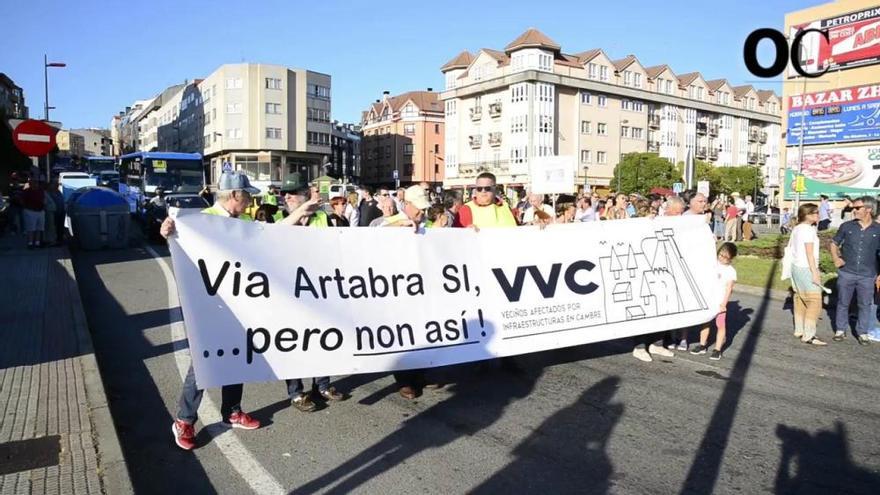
{"x":836,"y":172}
{"x":853,"y":41}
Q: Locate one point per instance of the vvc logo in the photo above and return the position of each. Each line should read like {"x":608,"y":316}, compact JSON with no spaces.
{"x":784,"y":53}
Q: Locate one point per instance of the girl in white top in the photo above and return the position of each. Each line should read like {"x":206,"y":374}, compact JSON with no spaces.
{"x":727,"y":278}
{"x":805,"y":278}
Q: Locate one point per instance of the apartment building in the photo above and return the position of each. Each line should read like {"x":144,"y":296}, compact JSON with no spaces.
{"x":403,"y":139}
{"x":833,"y":138}
{"x":345,"y":152}
{"x":270,"y":121}
{"x":503,"y":108}
{"x":70,"y":144}
{"x":97,"y":142}
{"x":12,"y":99}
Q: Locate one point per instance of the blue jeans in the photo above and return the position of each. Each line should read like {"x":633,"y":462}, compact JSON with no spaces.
{"x":295,"y":387}
{"x":191,"y":397}
{"x":849,"y":284}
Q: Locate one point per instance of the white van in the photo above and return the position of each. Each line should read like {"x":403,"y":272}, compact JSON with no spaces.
{"x":340,"y":190}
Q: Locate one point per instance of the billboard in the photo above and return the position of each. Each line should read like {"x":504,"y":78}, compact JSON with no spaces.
{"x":852,"y":171}
{"x":839,"y":115}
{"x":853,"y":41}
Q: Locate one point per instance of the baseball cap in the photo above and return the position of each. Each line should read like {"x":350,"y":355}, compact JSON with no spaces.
{"x":416,"y":196}
{"x":235,"y":181}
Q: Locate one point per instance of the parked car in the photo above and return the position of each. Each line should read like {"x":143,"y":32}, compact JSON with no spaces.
{"x":760,"y":215}
{"x":154,"y":215}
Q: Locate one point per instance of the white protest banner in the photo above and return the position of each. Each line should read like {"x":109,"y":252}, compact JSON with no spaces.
{"x":269,"y":301}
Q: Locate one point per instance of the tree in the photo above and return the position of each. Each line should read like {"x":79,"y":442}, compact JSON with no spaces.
{"x":726,"y":180}
{"x":641,"y":172}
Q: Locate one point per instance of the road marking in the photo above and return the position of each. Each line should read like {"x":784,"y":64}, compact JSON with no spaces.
{"x":238,"y":456}
{"x":37,"y":138}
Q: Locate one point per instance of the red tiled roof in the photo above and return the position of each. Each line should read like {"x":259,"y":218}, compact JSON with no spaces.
{"x":530,"y":39}
{"x":685,"y":80}
{"x":461,"y":61}
{"x":655,"y":71}
{"x":623,"y":63}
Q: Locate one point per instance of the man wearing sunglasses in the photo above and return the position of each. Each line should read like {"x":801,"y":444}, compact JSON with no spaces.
{"x":854,"y":250}
{"x":485,"y":209}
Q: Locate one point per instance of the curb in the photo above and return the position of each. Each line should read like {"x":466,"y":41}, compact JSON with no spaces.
{"x":772,"y":294}
{"x":112,"y":468}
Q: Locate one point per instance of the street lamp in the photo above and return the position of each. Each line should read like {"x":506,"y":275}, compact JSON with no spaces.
{"x":46,"y":65}
{"x":620,"y":151}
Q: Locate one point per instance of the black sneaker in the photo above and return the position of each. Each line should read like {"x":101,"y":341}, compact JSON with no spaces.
{"x":304,"y":403}
{"x":699,"y":349}
{"x":716,"y":355}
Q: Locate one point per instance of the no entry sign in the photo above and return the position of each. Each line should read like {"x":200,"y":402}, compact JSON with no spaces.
{"x":34,"y":137}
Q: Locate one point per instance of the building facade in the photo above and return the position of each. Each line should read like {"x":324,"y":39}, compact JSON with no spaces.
{"x":832,"y":136}
{"x":97,"y":142}
{"x":270,"y":121}
{"x":70,"y":144}
{"x":12,"y":99}
{"x":345,"y":152}
{"x":404,"y":134}
{"x":505,"y":108}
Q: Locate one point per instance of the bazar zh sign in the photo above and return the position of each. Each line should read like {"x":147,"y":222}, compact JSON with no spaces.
{"x":840,"y":115}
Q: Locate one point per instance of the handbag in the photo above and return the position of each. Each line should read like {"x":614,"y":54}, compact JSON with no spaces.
{"x":787,"y":261}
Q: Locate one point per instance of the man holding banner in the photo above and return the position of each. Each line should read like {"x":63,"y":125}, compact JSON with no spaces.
{"x":485,"y":210}
{"x":233,"y":197}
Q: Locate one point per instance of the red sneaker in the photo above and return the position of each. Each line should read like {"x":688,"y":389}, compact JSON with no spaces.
{"x":241,"y":420}
{"x":184,"y":434}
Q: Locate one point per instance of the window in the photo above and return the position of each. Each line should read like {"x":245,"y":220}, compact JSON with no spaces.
{"x":545,"y":92}
{"x":450,"y":107}
{"x":408,"y":169}
{"x":699,"y":92}
{"x":407,"y":149}
{"x":387,"y":151}
{"x":207,"y":118}
{"x":585,"y":156}
{"x":601,"y":157}
{"x":273,"y":133}
{"x":602,"y":129}
{"x":233,"y":83}
{"x":233,"y":108}
{"x":592,"y":71}
{"x":519,"y":92}
{"x":545,"y":62}
{"x":637,"y":80}
{"x":545,"y":123}
{"x":272,"y":83}
{"x":624,"y":131}
{"x":585,"y":127}
{"x":668,"y":87}
{"x":627,"y":78}
{"x":318,"y":91}
{"x":603,"y":101}
{"x":409,"y":129}
{"x":603,"y":73}
{"x":436,"y":148}
{"x":318,"y":138}
{"x":213,"y":113}
{"x":638,"y":133}
{"x":586,"y":98}
{"x":436,"y":128}
{"x":625,"y":105}
{"x":317,"y":114}
{"x":274,"y":108}
{"x":234,"y":133}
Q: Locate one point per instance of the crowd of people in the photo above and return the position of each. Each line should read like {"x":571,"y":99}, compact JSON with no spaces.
{"x":36,"y":210}
{"x":417,"y":207}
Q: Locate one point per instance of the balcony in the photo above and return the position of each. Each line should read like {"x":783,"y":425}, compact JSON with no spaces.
{"x":713,"y":153}
{"x":495,"y":139}
{"x":701,"y":153}
{"x":476,"y":113}
{"x":495,"y":109}
{"x":471,"y":169}
{"x":762,"y":159}
{"x":475,"y":141}
{"x":701,"y":128}
{"x":762,"y":137}
{"x":713,"y":129}
{"x":753,"y":135}
{"x":654,"y":121}
{"x":654,"y":146}
{"x":753,"y":158}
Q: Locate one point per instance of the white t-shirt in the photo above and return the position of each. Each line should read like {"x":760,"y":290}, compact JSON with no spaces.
{"x":726,"y":273}
{"x":801,"y":235}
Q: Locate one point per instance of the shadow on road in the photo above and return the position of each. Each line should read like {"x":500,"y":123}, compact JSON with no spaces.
{"x":566,"y":453}
{"x":139,"y":411}
{"x":820,"y":464}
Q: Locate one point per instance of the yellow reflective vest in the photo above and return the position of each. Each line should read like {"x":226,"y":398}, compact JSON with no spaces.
{"x":218,"y":210}
{"x":494,"y":215}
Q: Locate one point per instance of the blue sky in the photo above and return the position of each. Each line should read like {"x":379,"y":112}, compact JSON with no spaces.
{"x":121,"y":51}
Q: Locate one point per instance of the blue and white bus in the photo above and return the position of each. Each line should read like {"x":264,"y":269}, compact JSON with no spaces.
{"x":103,"y":170}
{"x":142,"y":173}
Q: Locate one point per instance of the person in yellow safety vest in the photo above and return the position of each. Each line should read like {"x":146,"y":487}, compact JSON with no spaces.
{"x":315,"y":217}
{"x":485,"y":210}
{"x":233,"y":196}
{"x":296,"y":201}
{"x":271,"y":198}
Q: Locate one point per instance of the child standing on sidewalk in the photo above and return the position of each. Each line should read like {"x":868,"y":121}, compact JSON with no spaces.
{"x":727,"y":277}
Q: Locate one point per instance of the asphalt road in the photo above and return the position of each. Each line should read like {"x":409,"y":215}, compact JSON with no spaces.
{"x":773,"y":416}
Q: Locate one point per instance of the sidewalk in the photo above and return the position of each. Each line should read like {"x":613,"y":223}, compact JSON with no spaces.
{"x":56,"y":432}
